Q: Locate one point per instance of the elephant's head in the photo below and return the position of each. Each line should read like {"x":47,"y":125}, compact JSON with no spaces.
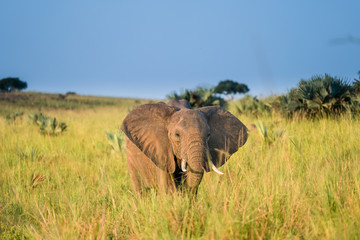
{"x":179,"y":138}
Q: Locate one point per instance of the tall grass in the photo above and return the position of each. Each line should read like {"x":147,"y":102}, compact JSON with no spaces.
{"x":304,"y":184}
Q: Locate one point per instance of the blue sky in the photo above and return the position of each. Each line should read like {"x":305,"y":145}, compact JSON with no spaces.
{"x":149,"y":48}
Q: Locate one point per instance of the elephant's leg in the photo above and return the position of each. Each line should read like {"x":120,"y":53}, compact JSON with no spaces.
{"x":144,"y":173}
{"x":141,"y":169}
{"x":134,"y":159}
{"x":165,"y":181}
{"x":134,"y":176}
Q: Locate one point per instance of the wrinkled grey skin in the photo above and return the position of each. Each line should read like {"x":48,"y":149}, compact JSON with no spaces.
{"x":182,"y":103}
{"x":159,"y":136}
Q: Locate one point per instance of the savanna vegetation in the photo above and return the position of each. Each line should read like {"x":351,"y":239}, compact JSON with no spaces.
{"x":297,"y":177}
{"x":210,"y":96}
{"x":10,"y":84}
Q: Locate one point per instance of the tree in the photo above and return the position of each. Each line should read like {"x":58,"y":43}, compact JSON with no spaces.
{"x":10,"y":84}
{"x":230,"y":87}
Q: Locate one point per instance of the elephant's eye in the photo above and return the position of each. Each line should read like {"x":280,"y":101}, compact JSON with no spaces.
{"x":208,"y":136}
{"x":177,"y":135}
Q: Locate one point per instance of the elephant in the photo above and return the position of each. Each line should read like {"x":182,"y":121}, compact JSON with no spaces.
{"x":170,"y":146}
{"x":181,"y":103}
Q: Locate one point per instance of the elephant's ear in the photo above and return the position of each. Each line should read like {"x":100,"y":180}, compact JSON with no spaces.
{"x":227,"y":133}
{"x":146,"y":127}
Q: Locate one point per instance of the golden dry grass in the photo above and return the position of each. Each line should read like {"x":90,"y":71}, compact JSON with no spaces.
{"x":303,"y":184}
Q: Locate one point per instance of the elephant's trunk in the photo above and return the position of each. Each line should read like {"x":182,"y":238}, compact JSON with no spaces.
{"x":193,"y":179}
{"x":197,"y":158}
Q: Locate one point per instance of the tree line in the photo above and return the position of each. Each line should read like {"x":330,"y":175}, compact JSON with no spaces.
{"x":318,"y":96}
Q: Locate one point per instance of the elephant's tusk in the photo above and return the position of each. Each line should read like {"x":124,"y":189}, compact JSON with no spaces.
{"x":183,"y":165}
{"x":215,"y":169}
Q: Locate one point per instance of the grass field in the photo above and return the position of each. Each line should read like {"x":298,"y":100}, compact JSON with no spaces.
{"x":300,"y":182}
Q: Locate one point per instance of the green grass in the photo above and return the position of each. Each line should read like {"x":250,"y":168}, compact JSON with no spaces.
{"x":303,"y":184}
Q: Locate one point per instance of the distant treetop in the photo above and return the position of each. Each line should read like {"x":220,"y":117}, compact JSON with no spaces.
{"x":10,"y":84}
{"x":230,"y":87}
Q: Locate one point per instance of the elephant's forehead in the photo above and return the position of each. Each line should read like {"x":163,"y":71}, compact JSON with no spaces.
{"x":189,"y":118}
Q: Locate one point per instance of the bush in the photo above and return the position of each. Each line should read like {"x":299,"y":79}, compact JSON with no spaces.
{"x":48,"y":125}
{"x":318,"y":97}
{"x":251,"y":105}
{"x":11,"y":117}
{"x":269,"y":133}
{"x":116,"y":140}
{"x":356,"y":85}
{"x":199,"y":97}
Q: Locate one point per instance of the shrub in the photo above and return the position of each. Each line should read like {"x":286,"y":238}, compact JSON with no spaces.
{"x":269,"y":133}
{"x":356,"y":85}
{"x":199,"y":97}
{"x":319,"y":96}
{"x":11,"y":117}
{"x":251,"y":105}
{"x":116,"y":140}
{"x":48,"y":125}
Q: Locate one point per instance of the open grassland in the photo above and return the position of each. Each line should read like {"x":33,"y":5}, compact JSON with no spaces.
{"x":300,"y":182}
